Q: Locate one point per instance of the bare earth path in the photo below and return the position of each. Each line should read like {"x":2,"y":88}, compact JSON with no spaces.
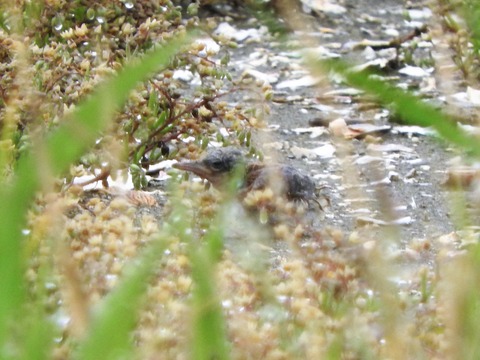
{"x":305,"y":295}
{"x":392,"y":175}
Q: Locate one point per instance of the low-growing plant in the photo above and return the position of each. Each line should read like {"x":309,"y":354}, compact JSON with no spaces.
{"x":82,"y":43}
{"x":72,"y":98}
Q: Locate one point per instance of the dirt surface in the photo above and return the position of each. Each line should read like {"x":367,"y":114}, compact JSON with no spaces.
{"x":398,"y":182}
{"x":357,"y":280}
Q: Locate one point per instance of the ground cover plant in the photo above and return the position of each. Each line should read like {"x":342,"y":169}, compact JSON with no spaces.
{"x":93,"y":88}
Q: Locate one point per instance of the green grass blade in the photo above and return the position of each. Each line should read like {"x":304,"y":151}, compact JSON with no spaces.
{"x":14,"y":202}
{"x":38,"y":343}
{"x":109,"y":334}
{"x":407,"y":106}
{"x":57,"y":152}
{"x":95,"y":113}
{"x":209,"y":330}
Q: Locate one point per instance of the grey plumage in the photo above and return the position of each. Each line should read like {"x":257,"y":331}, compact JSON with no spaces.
{"x":218,"y":165}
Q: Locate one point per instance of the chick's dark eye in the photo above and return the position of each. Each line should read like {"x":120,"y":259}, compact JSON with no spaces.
{"x":217,"y":165}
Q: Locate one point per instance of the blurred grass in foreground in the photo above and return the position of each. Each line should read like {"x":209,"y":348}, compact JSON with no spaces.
{"x":457,"y":285}
{"x":111,"y":327}
{"x":25,"y":330}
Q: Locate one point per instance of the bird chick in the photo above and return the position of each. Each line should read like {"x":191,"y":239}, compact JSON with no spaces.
{"x":219,"y":165}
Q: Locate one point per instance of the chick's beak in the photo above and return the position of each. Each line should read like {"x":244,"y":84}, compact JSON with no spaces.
{"x":198,"y":169}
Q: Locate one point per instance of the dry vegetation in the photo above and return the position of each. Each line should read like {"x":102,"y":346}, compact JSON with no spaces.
{"x":278,"y":289}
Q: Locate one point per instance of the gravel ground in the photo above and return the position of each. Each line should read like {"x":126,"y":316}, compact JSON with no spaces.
{"x":408,"y":168}
{"x":353,"y":281}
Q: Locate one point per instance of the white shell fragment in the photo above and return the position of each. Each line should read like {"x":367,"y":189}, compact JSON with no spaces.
{"x":413,"y":129}
{"x":314,"y":131}
{"x":325,"y":151}
{"x":270,"y":78}
{"x":306,"y":81}
{"x":420,"y":14}
{"x":415,"y":71}
{"x":473,"y":95}
{"x":407,"y":220}
{"x":187,"y":76}
{"x":210,"y":44}
{"x":227,"y":30}
{"x":325,"y":6}
{"x":389,"y":148}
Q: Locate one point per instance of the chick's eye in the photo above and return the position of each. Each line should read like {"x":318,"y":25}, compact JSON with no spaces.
{"x":217,"y":165}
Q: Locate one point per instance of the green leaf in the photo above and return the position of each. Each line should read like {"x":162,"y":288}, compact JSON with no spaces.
{"x":138,"y":176}
{"x":109,"y":334}
{"x":52,"y":156}
{"x":138,"y":154}
{"x":192,"y":9}
{"x":153,"y":102}
{"x":209,"y":331}
{"x":407,"y":106}
{"x":161,"y":119}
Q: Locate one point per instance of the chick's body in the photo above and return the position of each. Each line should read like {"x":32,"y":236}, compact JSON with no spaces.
{"x":219,"y":165}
